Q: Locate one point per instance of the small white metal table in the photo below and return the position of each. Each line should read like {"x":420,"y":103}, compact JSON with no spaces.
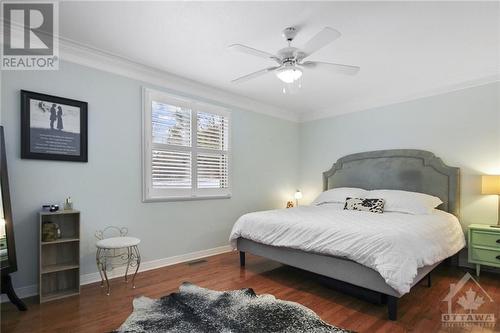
{"x":111,"y":249}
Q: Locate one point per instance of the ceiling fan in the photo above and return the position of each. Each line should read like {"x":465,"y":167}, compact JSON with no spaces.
{"x":290,"y":60}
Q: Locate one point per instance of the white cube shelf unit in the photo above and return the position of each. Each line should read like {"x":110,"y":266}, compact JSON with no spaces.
{"x":59,"y":260}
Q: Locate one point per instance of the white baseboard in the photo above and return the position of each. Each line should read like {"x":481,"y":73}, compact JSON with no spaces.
{"x":32,"y":290}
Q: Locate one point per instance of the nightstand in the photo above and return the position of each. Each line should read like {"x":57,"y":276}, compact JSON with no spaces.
{"x":484,"y":246}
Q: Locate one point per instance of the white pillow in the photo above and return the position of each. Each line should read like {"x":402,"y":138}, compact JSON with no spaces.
{"x":406,"y":202}
{"x":339,"y":195}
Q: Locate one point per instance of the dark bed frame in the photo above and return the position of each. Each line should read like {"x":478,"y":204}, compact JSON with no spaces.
{"x":401,"y":169}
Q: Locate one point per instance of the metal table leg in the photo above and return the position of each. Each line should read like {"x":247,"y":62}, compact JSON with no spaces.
{"x":99,"y":265}
{"x":106,"y":275}
{"x":129,"y":259}
{"x":137,"y":262}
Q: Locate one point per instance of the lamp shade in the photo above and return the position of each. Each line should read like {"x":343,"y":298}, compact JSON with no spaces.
{"x":490,"y":185}
{"x":298,"y":195}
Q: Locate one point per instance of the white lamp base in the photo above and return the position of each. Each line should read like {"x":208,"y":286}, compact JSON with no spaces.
{"x":498,"y":223}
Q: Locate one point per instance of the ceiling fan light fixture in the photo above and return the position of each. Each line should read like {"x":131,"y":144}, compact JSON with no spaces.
{"x":289,"y":74}
{"x":290,"y":59}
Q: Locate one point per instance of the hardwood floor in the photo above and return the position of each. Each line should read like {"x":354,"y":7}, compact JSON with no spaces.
{"x":93,"y":311}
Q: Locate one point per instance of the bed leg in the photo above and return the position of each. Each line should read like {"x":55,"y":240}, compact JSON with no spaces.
{"x":429,"y":280}
{"x":392,"y":307}
{"x":242,"y":258}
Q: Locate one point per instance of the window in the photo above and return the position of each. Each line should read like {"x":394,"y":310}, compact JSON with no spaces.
{"x":186,"y":148}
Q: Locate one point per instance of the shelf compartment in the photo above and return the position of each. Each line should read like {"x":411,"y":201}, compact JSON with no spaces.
{"x":69,"y":224}
{"x":60,"y":284}
{"x":60,"y":253}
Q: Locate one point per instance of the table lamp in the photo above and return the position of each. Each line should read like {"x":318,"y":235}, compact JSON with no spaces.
{"x":491,"y":185}
{"x":297,"y":196}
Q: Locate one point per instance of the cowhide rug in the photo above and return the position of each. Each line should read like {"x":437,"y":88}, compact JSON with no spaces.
{"x":195,"y":309}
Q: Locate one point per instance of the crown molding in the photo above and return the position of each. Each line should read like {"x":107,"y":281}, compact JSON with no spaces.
{"x":80,"y":54}
{"x":377,"y":103}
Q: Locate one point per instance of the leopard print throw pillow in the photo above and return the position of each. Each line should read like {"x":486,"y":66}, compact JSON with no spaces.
{"x":366,"y":205}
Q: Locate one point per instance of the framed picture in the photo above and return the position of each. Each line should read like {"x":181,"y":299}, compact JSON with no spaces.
{"x":53,"y":128}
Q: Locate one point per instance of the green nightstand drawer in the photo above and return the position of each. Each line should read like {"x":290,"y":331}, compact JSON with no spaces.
{"x":485,"y":238}
{"x":486,"y":255}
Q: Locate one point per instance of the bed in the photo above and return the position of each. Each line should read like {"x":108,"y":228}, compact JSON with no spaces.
{"x":402,"y":169}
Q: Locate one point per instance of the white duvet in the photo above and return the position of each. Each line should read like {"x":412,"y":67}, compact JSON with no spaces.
{"x":393,"y":244}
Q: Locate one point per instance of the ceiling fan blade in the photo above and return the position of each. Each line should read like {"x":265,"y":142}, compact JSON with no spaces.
{"x":254,"y":52}
{"x":320,"y":40}
{"x":254,"y":74}
{"x":344,"y":69}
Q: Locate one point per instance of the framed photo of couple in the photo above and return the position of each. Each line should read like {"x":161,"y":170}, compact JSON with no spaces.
{"x":53,"y":128}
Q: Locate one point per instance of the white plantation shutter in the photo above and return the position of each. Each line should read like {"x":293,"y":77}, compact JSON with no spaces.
{"x":212,"y":171}
{"x":213,"y":131}
{"x":171,"y":124}
{"x":186,"y":148}
{"x":171,"y":169}
{"x":213,"y":137}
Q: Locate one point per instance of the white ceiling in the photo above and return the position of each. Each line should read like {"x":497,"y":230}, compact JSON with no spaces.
{"x":404,"y":48}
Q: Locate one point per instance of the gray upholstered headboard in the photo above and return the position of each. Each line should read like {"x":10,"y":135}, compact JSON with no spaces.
{"x":399,"y":169}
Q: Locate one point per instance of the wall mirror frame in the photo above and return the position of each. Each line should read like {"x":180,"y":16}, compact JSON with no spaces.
{"x":8,"y":259}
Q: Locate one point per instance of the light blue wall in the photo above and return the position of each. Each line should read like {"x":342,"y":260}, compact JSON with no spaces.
{"x":462,"y":127}
{"x":107,"y":189}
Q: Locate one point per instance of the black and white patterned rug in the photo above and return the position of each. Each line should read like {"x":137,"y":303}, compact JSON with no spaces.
{"x":195,"y":309}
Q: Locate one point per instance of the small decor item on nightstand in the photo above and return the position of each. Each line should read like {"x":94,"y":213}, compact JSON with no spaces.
{"x":68,"y":204}
{"x":484,"y":246}
{"x":289,"y":204}
{"x":50,"y":232}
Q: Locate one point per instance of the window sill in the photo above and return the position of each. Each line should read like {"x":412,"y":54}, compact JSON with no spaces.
{"x":190,"y":198}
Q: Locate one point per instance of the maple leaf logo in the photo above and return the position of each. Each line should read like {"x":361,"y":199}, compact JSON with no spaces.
{"x":470,"y":301}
